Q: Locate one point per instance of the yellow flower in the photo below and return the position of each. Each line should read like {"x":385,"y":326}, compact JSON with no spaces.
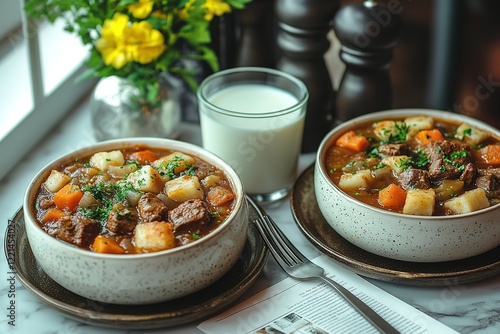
{"x":145,"y":43}
{"x":110,"y":44}
{"x":216,"y":7}
{"x":122,"y":42}
{"x":142,"y":9}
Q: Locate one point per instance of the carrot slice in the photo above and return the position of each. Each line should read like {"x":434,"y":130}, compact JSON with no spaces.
{"x":491,"y":154}
{"x":426,"y":136}
{"x":144,"y":157}
{"x":68,"y":197}
{"x":52,"y":215}
{"x":102,"y":244}
{"x":353,"y":141}
{"x":219,"y":195}
{"x":392,"y":197}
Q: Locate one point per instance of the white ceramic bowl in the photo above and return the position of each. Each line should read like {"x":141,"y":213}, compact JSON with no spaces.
{"x":399,"y":236}
{"x":140,"y":278}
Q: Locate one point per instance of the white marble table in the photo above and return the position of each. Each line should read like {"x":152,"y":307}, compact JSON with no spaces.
{"x":471,"y":308}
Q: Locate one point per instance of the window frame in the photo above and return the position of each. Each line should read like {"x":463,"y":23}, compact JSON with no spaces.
{"x":35,"y":126}
{"x":48,"y":110}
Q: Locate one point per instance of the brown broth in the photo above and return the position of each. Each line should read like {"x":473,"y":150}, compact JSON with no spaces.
{"x":337,"y":158}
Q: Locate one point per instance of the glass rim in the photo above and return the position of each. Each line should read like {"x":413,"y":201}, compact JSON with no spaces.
{"x":259,"y":70}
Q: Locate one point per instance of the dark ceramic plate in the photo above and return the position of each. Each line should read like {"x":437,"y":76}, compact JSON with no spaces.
{"x":313,"y":225}
{"x":216,"y":297}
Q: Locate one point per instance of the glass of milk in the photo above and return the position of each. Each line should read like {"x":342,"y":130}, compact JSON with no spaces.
{"x":253,"y":118}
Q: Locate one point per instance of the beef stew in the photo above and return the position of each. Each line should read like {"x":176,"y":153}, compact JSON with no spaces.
{"x":134,"y":200}
{"x":418,"y":165}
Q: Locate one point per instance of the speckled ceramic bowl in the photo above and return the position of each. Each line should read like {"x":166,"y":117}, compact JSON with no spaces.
{"x":400,"y":236}
{"x":140,"y":278}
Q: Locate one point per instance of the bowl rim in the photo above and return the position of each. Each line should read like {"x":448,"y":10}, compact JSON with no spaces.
{"x":380,"y":115}
{"x":162,"y":143}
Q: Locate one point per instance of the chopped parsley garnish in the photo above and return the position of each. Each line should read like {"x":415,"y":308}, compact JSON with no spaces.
{"x":374,"y":153}
{"x":458,"y":154}
{"x":398,"y":136}
{"x":133,"y":162}
{"x":168,"y":169}
{"x":107,"y":194}
{"x":422,"y":160}
{"x":405,"y":164}
{"x":450,"y":159}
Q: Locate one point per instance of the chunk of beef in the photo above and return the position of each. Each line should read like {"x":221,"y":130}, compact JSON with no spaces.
{"x":151,"y":208}
{"x":122,"y":220}
{"x":488,"y":179}
{"x":393,"y":149}
{"x":45,"y":203}
{"x":490,"y":171}
{"x":78,"y":230}
{"x":486,"y":182}
{"x":203,"y":170}
{"x":447,"y":159}
{"x":189,"y":213}
{"x":414,"y":179}
{"x":469,"y":174}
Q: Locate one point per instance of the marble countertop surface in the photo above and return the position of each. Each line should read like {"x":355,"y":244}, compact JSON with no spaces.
{"x":466,"y":308}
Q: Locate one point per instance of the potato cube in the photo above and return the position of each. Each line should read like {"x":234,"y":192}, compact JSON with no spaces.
{"x":418,"y":123}
{"x":359,"y":180}
{"x":469,"y":201}
{"x":146,"y":179}
{"x":121,"y":171}
{"x":382,"y":172}
{"x":210,"y":181}
{"x":420,"y":202}
{"x":471,"y":135}
{"x":154,"y":236}
{"x":397,"y":163}
{"x":56,"y":181}
{"x":102,"y":160}
{"x":175,"y":162}
{"x":184,"y":188}
{"x":384,"y":130}
{"x":449,"y":189}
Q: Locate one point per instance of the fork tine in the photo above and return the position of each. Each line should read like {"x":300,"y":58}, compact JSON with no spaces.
{"x":290,"y":250}
{"x":274,"y":248}
{"x":278,"y":249}
{"x":289,"y":254}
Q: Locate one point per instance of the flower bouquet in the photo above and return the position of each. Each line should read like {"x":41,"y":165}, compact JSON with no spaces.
{"x":139,"y":39}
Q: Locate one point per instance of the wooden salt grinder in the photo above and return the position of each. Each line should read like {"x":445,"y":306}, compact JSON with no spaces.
{"x":367,"y":32}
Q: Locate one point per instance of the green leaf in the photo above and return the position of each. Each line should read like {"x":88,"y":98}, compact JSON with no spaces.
{"x":239,"y":4}
{"x":125,"y":3}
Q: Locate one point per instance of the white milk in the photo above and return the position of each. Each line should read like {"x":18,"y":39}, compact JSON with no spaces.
{"x":264,"y":151}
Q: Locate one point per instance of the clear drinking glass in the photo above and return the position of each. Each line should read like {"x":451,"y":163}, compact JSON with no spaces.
{"x":253,"y":118}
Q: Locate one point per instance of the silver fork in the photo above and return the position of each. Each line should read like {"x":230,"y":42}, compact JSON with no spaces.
{"x":297,"y":266}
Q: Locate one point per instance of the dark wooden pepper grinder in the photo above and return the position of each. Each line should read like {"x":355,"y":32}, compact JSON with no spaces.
{"x":257,"y":40}
{"x":302,"y":39}
{"x":368,"y":32}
